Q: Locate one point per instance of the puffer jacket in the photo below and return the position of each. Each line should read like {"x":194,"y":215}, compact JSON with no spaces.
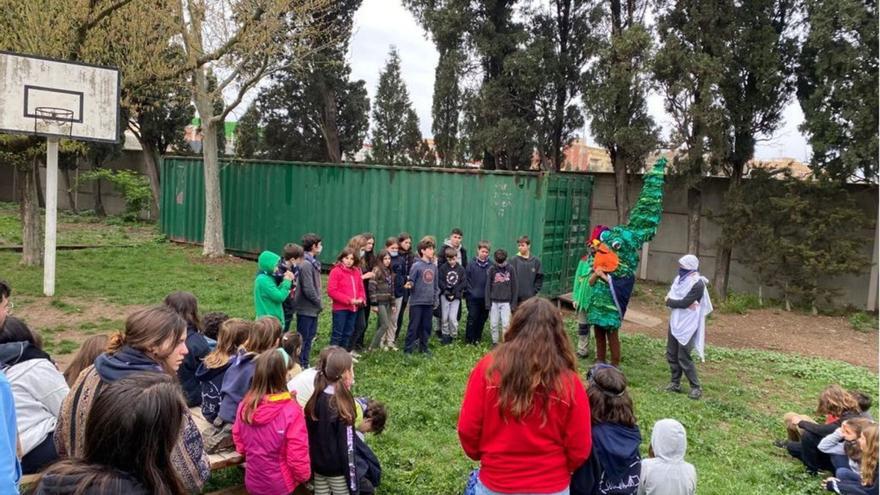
{"x":275,"y":445}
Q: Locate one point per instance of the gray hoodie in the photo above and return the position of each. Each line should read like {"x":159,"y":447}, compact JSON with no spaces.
{"x":667,"y":473}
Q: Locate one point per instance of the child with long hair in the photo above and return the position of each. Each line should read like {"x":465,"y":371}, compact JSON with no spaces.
{"x":265,"y":335}
{"x":154,"y":342}
{"x":346,"y":290}
{"x":525,"y":415}
{"x":233,"y":334}
{"x":291,"y":344}
{"x":381,"y":296}
{"x":129,"y":438}
{"x":614,"y":465}
{"x":89,"y":351}
{"x":330,"y":417}
{"x":401,"y":265}
{"x":270,"y":430}
{"x":842,"y":445}
{"x":837,"y":405}
{"x":186,"y":305}
{"x":863,"y":482}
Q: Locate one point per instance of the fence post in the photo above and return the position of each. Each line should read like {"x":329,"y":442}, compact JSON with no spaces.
{"x":872,"y":284}
{"x":643,"y":266}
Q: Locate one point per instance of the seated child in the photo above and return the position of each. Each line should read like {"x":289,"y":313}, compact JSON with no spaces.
{"x":863,"y":481}
{"x":292,"y":344}
{"x":370,"y":418}
{"x":233,"y":334}
{"x":270,"y":430}
{"x":211,"y":323}
{"x":614,"y":463}
{"x":665,"y":472}
{"x":842,"y":445}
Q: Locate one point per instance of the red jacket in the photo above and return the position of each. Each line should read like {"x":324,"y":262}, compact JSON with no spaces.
{"x":275,"y":445}
{"x":344,"y":285}
{"x":524,"y":456}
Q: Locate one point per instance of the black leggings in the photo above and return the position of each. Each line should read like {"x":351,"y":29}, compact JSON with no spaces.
{"x":41,"y":456}
{"x":807,"y":450}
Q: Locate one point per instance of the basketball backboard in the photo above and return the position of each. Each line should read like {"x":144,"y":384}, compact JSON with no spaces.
{"x":58,"y":98}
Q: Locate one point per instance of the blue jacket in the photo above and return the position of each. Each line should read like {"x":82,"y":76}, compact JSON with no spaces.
{"x":125,"y":361}
{"x":197,"y":348}
{"x":211,"y":381}
{"x":236,"y":383}
{"x":400,"y":270}
{"x":477,"y":273}
{"x":10,"y":468}
{"x":614,"y":466}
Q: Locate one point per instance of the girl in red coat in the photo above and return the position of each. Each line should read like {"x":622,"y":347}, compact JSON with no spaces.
{"x":270,"y":431}
{"x":525,"y":415}
{"x":346,"y":289}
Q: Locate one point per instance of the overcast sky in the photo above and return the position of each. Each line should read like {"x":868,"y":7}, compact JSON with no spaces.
{"x":382,"y":23}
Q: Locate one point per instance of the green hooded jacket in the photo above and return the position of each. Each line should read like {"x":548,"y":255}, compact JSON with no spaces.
{"x":268,"y":296}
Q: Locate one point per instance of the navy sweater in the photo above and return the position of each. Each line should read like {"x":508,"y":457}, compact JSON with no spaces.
{"x":197,"y":348}
{"x":211,"y":381}
{"x":477,"y":273}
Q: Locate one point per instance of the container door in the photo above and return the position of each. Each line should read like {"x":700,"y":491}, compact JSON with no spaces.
{"x":567,"y":219}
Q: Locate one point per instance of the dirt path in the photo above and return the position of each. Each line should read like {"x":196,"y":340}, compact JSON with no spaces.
{"x":830,"y":337}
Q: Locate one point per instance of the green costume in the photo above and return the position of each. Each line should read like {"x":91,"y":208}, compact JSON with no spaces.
{"x":605,"y":303}
{"x":267,"y":295}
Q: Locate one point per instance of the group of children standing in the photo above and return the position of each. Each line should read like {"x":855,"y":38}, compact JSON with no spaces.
{"x":433,"y":282}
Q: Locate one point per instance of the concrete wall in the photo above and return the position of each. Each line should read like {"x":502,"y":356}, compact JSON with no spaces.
{"x":671,"y":240}
{"x":114,"y":204}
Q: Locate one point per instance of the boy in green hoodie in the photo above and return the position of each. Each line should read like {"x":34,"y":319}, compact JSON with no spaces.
{"x":268,"y":296}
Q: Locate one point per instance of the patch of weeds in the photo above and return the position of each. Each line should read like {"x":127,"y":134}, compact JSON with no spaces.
{"x":863,"y":321}
{"x":739,"y":303}
{"x":65,"y":307}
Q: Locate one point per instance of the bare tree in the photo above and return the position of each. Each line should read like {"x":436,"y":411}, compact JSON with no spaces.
{"x":240,"y":43}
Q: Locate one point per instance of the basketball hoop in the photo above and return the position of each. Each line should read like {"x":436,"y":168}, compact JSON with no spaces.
{"x":53,"y":119}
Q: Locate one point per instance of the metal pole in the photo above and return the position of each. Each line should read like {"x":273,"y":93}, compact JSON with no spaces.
{"x":872,"y":283}
{"x":51,"y":214}
{"x":643,"y":263}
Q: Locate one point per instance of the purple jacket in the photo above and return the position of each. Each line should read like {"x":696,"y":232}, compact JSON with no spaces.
{"x":275,"y":445}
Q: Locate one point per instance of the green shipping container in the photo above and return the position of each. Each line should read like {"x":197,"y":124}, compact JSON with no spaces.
{"x":268,"y":204}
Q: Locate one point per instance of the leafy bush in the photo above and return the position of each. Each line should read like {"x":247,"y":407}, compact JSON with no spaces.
{"x":134,"y":187}
{"x":863,"y":322}
{"x":739,"y":303}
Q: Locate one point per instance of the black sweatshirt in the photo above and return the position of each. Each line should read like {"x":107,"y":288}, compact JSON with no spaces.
{"x":329,"y":448}
{"x":695,"y":294}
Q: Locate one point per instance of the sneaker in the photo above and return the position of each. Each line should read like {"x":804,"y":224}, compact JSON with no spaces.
{"x":394,"y":347}
{"x":695,"y":393}
{"x":674,"y":387}
{"x":355,"y":355}
{"x":780,"y":443}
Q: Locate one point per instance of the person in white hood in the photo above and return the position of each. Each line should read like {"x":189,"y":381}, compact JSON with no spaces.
{"x":665,"y":472}
{"x":689,"y":301}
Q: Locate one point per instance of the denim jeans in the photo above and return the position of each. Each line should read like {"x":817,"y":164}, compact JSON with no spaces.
{"x":307,"y":327}
{"x":419,"y":331}
{"x":343,"y":327}
{"x":482,"y":490}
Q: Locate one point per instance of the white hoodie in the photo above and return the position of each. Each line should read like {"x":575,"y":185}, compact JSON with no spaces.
{"x":667,"y":473}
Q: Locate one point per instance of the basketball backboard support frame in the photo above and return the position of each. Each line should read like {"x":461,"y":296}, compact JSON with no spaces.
{"x":54,"y":94}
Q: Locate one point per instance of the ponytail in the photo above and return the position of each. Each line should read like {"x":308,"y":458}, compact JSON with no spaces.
{"x":115,"y":342}
{"x":331,"y":372}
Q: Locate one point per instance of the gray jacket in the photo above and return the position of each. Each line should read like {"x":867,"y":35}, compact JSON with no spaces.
{"x":308,"y":297}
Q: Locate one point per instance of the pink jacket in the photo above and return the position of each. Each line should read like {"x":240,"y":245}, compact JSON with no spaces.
{"x":344,"y":285}
{"x":275,"y":445}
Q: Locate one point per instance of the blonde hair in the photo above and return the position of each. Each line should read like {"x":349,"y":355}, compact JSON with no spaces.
{"x":233,"y":333}
{"x":869,"y":454}
{"x":264,"y":336}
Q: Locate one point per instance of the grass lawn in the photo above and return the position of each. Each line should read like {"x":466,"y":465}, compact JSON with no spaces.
{"x":730,"y":431}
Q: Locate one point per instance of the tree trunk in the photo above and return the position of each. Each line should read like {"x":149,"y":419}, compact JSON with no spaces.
{"x":98,"y":196}
{"x":151,"y":160}
{"x":31,"y":231}
{"x":621,"y":187}
{"x":71,"y":192}
{"x":213,"y":243}
{"x":695,"y":206}
{"x":328,"y":124}
{"x":722,"y":259}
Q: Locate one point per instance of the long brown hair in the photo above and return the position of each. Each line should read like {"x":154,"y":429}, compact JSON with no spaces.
{"x":609,"y":399}
{"x":331,"y":372}
{"x":147,"y":330}
{"x":133,"y":427}
{"x":356,"y":243}
{"x":85,"y":357}
{"x":836,"y":401}
{"x":270,"y":377}
{"x":535,"y":358}
{"x":233,"y":333}
{"x":264,"y":335}
{"x":187,"y":306}
{"x":869,"y":454}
